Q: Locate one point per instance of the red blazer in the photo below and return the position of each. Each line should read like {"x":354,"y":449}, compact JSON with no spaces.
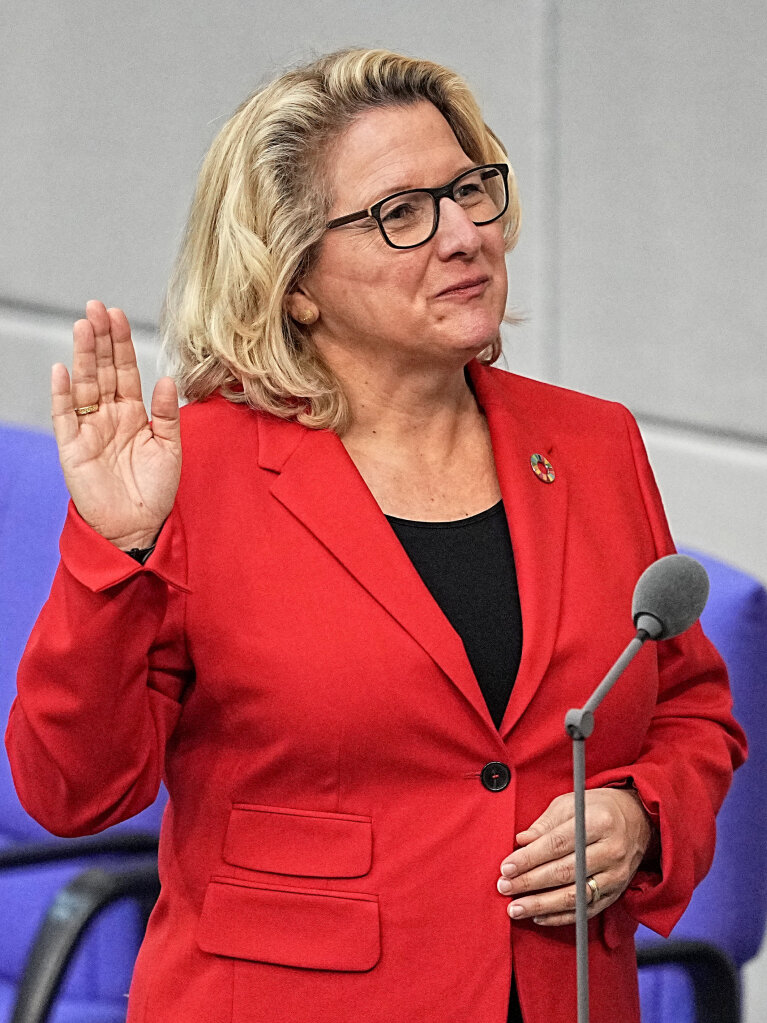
{"x":329,"y":852}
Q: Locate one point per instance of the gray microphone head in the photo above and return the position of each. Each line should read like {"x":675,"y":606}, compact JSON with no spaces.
{"x":669,"y":596}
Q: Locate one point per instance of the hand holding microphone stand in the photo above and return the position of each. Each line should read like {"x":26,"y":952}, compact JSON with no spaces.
{"x":669,"y":597}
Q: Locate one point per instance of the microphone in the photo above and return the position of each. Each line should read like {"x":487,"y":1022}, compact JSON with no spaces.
{"x":669,"y":596}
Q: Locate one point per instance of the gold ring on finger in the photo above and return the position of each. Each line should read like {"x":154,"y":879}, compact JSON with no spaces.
{"x":84,"y":410}
{"x":594,"y":888}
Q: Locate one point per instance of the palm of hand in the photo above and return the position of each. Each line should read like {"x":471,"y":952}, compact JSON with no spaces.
{"x":122,"y":478}
{"x":122,"y":470}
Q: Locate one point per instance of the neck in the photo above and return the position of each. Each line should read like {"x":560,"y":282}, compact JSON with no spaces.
{"x":408,"y":411}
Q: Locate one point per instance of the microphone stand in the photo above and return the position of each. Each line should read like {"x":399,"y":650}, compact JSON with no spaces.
{"x":579,"y":724}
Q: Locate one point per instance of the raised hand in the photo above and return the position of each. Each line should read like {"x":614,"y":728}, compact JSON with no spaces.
{"x":122,"y":470}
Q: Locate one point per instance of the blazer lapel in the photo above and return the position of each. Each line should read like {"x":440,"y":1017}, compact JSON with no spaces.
{"x":319,"y":483}
{"x":536,"y":513}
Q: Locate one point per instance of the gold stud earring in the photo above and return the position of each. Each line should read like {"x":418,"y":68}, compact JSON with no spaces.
{"x":307,"y":316}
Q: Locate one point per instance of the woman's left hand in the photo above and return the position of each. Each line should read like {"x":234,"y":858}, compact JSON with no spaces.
{"x":618,"y":832}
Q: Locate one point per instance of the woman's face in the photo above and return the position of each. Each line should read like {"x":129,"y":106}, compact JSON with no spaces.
{"x":384,"y":301}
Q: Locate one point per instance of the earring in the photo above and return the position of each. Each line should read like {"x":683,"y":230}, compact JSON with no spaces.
{"x":307,"y":316}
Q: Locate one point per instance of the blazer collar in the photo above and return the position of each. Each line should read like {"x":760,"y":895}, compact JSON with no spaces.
{"x":319,"y":483}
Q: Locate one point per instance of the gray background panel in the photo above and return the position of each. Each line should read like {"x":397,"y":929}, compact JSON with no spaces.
{"x":663,"y":120}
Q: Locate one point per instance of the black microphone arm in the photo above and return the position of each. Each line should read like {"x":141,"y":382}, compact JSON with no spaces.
{"x":668,"y":598}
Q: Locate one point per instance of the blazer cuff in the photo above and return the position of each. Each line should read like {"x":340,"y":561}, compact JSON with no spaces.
{"x":99,"y":565}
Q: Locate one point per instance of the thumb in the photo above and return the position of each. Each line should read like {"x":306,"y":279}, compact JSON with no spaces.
{"x":557,"y":812}
{"x":165,"y":411}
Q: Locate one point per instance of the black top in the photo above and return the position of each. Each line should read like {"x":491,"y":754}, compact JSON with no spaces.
{"x":468,"y":566}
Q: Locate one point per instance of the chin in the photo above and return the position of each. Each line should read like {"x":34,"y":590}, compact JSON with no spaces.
{"x":465,"y":350}
{"x":476,"y":336}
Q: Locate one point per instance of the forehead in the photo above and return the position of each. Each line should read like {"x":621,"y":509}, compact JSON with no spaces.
{"x":391,"y":148}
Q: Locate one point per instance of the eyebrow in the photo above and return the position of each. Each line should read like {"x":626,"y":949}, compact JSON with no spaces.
{"x":393,"y":189}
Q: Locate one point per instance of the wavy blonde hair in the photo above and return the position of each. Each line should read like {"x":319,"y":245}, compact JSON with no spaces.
{"x":258,"y":217}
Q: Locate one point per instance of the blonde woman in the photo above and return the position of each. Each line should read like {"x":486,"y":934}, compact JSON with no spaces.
{"x":346,"y":629}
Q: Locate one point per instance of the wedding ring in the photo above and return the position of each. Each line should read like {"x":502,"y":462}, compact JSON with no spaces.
{"x":594,"y":887}
{"x":84,"y":410}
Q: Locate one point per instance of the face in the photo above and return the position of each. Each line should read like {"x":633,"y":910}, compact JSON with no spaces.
{"x":385,"y":302}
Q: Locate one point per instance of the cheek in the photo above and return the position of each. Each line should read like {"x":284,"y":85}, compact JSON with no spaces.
{"x":387,"y":282}
{"x":494,"y":245}
{"x":371,"y":271}
{"x":497,"y":259}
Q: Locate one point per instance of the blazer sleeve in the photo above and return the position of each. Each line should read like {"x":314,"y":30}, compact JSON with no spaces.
{"x":101,"y":682}
{"x":690,"y":750}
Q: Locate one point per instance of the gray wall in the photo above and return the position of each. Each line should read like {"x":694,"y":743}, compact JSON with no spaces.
{"x":637,"y":132}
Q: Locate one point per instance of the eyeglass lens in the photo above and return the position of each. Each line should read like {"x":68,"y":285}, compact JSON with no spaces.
{"x":408,"y":219}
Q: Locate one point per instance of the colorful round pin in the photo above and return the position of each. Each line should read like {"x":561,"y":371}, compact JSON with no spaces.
{"x":542,"y":468}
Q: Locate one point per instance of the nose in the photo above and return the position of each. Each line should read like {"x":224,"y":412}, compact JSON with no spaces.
{"x":456,"y":229}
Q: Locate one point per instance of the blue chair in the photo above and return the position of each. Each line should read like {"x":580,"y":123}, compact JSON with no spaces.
{"x":726,"y":917}
{"x":35,"y":867}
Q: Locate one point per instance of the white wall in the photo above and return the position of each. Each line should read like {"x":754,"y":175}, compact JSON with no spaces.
{"x":637,"y":133}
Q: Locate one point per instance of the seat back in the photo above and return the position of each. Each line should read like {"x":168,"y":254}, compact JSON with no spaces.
{"x":33,"y":504}
{"x":729,"y":907}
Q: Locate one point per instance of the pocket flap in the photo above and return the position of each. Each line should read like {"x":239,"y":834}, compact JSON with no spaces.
{"x":313,"y":928}
{"x":309,"y":843}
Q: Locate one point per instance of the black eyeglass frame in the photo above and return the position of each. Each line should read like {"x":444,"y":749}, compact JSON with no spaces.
{"x":444,"y":192}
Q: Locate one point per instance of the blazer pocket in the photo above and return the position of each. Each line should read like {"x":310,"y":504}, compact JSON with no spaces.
{"x":307,"y":843}
{"x":313,"y":928}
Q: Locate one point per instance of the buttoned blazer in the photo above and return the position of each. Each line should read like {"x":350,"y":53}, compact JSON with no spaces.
{"x":329,"y":852}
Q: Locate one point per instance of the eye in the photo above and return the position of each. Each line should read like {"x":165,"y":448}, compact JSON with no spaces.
{"x":400,"y":212}
{"x":469,"y":188}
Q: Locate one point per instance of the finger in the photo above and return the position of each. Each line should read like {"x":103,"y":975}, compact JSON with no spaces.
{"x":568,"y":917}
{"x":85,"y":385}
{"x":62,"y":409}
{"x":559,"y":873}
{"x":551,"y":846}
{"x":105,"y":366}
{"x":166,"y":419}
{"x":558,"y":919}
{"x":561,"y":901}
{"x":557,"y":812}
{"x":550,"y":875}
{"x":124,"y":354}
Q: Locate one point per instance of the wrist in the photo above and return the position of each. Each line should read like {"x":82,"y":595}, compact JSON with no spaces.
{"x":651,"y":858}
{"x":138,"y":542}
{"x":651,"y":839}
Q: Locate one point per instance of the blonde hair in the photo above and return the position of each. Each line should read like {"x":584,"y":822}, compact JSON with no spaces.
{"x":257,"y":219}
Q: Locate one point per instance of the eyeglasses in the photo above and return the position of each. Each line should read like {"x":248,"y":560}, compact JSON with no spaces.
{"x":410,"y":218}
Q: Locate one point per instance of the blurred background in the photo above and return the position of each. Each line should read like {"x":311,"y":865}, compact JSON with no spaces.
{"x":637,"y":133}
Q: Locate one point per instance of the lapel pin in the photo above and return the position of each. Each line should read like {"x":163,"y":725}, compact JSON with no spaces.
{"x":542,"y":468}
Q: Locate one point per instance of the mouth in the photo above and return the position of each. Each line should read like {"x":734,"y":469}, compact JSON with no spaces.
{"x":465,"y":289}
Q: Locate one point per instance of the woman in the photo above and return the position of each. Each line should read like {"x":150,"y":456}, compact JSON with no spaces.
{"x":312,"y":630}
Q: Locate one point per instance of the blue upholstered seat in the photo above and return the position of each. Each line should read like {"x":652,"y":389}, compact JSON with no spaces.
{"x":33,"y":501}
{"x":729,"y":907}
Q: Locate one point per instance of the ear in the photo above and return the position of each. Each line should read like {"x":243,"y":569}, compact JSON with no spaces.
{"x":301,"y":307}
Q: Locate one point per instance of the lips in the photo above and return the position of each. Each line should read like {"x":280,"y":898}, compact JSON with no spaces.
{"x":464,"y":285}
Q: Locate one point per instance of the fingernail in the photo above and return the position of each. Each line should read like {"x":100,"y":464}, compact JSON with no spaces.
{"x":508,"y":870}
{"x":504,"y":886}
{"x":515,"y":911}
